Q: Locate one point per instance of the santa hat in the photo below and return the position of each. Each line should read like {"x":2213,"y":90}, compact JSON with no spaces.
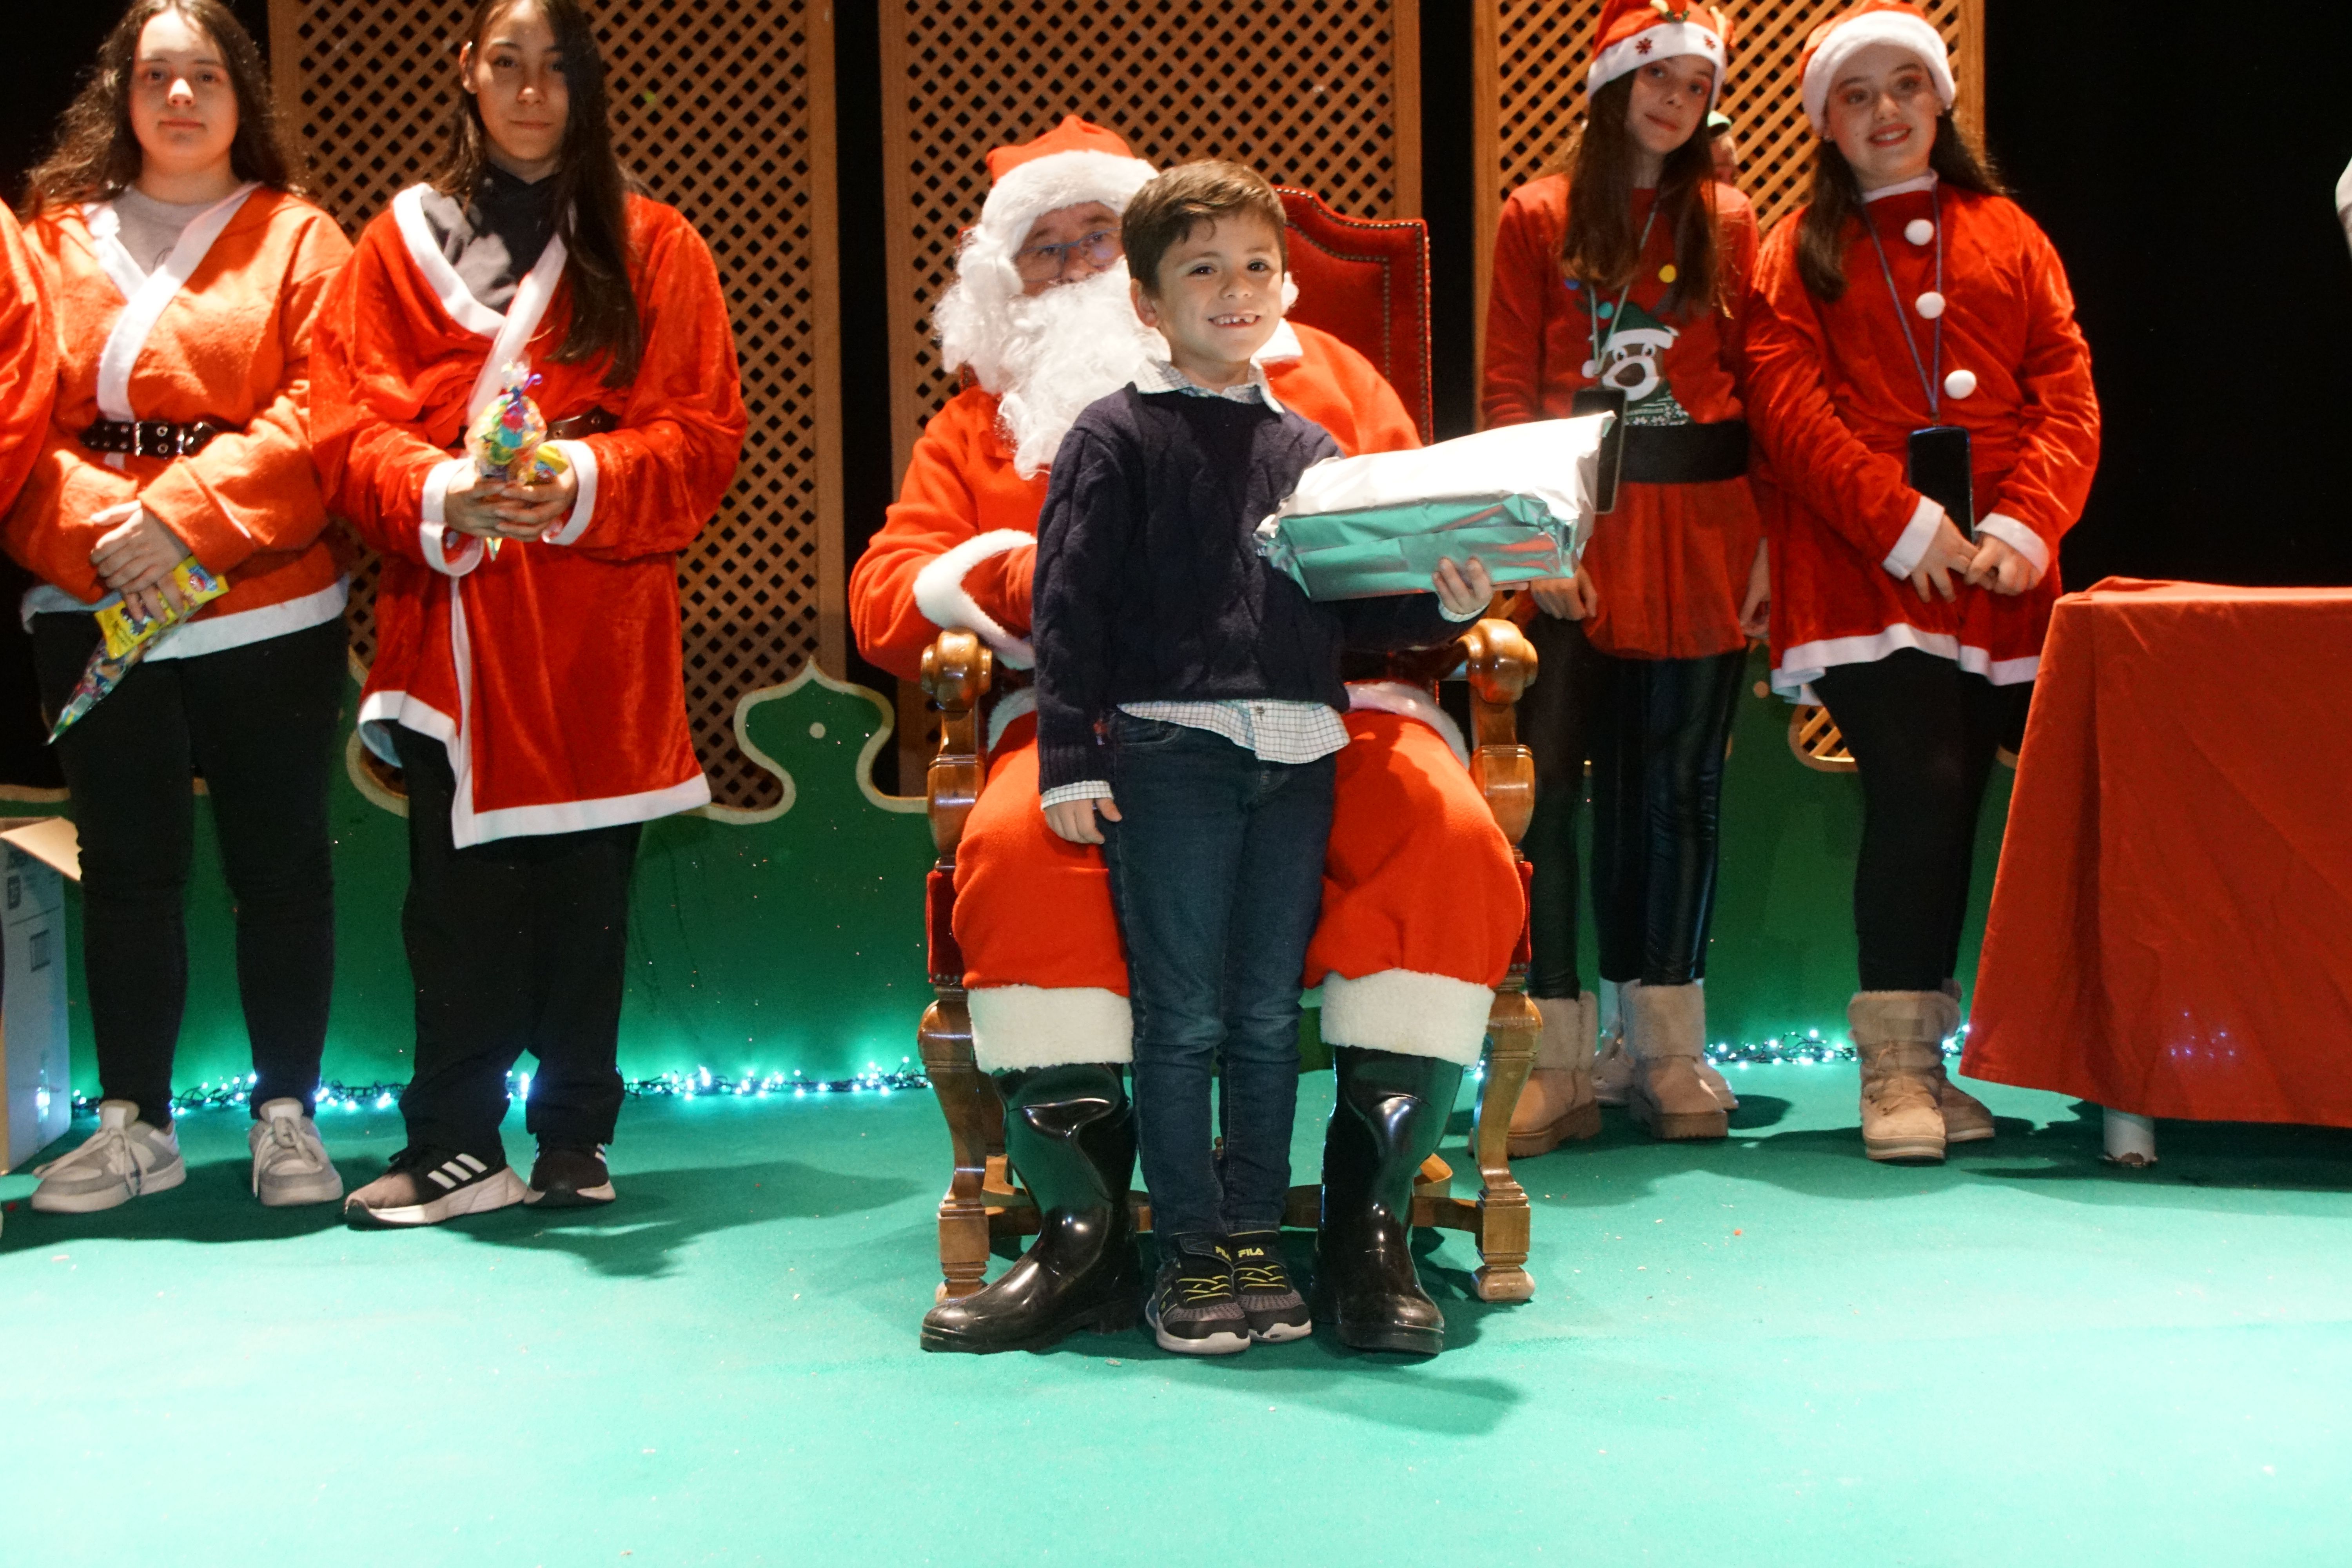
{"x":1839,"y":39}
{"x":1633,"y":33}
{"x":1075,"y":161}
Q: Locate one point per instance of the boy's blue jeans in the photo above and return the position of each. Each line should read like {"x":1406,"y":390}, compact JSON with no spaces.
{"x":1216,"y":874}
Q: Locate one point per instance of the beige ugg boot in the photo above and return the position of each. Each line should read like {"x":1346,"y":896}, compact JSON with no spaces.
{"x":1967,"y":1118}
{"x":1899,"y":1036}
{"x":1557,"y":1105}
{"x":1665,"y":1033}
{"x":1612,"y":1071}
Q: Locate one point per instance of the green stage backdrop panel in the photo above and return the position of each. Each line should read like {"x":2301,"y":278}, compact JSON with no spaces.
{"x":793,"y":939}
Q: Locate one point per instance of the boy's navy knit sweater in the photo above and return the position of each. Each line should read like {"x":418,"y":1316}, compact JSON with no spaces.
{"x":1148,"y":584}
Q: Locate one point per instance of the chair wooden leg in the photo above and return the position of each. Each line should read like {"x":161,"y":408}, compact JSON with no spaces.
{"x":965,"y":1095}
{"x":1504,"y":1219}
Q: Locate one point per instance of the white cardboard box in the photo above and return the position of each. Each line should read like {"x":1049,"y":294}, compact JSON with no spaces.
{"x":40,"y":853}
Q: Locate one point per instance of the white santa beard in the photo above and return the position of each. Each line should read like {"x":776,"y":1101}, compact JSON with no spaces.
{"x":1052,"y":355}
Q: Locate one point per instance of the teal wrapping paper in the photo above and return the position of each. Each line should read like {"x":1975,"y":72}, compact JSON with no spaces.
{"x":1519,"y":498}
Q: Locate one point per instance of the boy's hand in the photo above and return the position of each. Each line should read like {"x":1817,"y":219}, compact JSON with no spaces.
{"x":1756,"y":609}
{"x":1074,"y":819}
{"x":2001,"y":567}
{"x":1568,"y":598}
{"x":1463,"y":591}
{"x":1949,"y":551}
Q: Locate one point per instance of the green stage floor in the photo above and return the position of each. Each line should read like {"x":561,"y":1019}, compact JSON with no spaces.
{"x":1763,"y":1353}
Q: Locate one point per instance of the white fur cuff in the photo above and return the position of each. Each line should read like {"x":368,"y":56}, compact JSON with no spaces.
{"x":939,"y":593}
{"x":1036,"y":1027}
{"x":1407,"y":1011}
{"x":1409,"y":702}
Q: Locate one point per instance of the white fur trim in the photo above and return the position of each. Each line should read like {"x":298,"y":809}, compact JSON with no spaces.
{"x":1409,"y":1012}
{"x":1912,"y":542}
{"x":145,"y":306}
{"x":1014,"y":705}
{"x":432,"y":532}
{"x":938,"y":593}
{"x":1847,"y":39}
{"x":1289,"y":298}
{"x":1283,"y":347}
{"x":1665,"y":40}
{"x":2019,"y":537}
{"x":582,"y":459}
{"x":1801,"y":665}
{"x":1038,"y":1027}
{"x":215,"y":634}
{"x":1057,"y":181}
{"x":1409,"y":702}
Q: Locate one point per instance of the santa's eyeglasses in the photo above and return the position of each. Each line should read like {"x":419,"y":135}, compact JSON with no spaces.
{"x":1043,"y":263}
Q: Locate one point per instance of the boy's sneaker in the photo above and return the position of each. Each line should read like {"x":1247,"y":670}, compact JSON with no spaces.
{"x":1193,"y":1310}
{"x":1272,"y":1304}
{"x":125,"y":1159}
{"x":427,"y":1187}
{"x":289,"y":1158}
{"x":570,"y":1179}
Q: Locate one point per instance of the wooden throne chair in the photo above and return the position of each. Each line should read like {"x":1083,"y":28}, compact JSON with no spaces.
{"x":1367,"y":283}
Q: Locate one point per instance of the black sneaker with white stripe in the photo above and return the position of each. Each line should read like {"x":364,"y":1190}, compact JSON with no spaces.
{"x":570,"y":1178}
{"x":427,"y":1187}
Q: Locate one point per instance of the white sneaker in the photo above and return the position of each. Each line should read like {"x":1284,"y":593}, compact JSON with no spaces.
{"x":289,"y":1158}
{"x":124,"y":1159}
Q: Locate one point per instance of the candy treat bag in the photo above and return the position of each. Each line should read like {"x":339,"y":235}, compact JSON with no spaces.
{"x":127,"y":637}
{"x":508,"y":439}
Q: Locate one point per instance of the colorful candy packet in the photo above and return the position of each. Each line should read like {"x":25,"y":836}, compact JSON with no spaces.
{"x":127,"y":637}
{"x":508,"y":439}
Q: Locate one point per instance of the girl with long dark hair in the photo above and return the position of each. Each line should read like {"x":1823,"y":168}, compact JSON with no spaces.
{"x":527,"y":680}
{"x":186,"y":276}
{"x":1925,"y":398}
{"x":1626,"y":275}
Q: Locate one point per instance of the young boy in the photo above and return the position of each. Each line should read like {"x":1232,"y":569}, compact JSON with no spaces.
{"x":1188,"y":701}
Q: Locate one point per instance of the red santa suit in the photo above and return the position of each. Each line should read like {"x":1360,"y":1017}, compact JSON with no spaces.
{"x":1421,"y":907}
{"x":221,"y":330}
{"x":1671,"y":561}
{"x":552,"y":672}
{"x":1834,"y":396}
{"x":28,"y":359}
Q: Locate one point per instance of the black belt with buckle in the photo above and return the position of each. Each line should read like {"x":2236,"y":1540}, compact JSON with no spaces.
{"x":1685,"y":454}
{"x":151,"y":438}
{"x":595,"y":422}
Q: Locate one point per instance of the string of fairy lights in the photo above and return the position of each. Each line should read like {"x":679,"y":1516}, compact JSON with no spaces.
{"x":1790,"y":1047}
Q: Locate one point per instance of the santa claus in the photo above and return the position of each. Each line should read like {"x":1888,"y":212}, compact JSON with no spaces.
{"x":1422,"y":904}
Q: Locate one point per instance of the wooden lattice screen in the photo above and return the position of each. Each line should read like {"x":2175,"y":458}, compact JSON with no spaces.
{"x":724,"y":109}
{"x":1530,"y":56}
{"x":1321,"y":94}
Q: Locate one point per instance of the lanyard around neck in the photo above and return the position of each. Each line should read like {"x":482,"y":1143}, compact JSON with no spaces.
{"x":1640,"y":250}
{"x":1931,"y":386}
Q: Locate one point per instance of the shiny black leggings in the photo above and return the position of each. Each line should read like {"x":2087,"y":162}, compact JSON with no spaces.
{"x":1655,"y":731}
{"x":1923,"y":733}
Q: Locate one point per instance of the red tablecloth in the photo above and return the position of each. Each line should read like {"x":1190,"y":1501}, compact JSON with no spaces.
{"x":2171,"y":927}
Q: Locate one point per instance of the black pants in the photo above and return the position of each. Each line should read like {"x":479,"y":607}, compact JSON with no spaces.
{"x":1923,"y":733}
{"x":1654,"y":731}
{"x":260,"y":724}
{"x":516,"y":945}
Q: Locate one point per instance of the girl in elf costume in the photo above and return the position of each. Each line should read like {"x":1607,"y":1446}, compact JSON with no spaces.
{"x":527,"y":679}
{"x":1923,"y":399}
{"x":1630,"y":272}
{"x":185,"y":278}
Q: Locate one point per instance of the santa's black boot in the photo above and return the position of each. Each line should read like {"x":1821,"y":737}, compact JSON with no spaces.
{"x":1069,"y":1133}
{"x":1390,"y":1117}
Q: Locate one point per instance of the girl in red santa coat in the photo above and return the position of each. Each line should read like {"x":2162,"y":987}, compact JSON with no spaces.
{"x":531,"y":694}
{"x":1630,"y":272}
{"x":1924,"y":398}
{"x":186,"y":278}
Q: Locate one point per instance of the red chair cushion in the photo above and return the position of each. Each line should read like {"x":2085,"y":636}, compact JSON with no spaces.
{"x":1366,"y":282}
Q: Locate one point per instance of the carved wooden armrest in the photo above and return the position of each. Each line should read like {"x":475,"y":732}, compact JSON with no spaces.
{"x":957,"y":667}
{"x":1500,"y":664}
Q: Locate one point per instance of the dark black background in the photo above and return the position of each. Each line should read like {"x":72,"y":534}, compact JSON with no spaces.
{"x":2189,"y":191}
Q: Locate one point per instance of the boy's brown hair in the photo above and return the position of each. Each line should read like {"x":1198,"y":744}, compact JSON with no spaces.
{"x":1188,"y":195}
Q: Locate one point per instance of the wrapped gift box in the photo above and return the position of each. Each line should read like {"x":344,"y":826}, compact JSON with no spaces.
{"x":40,"y":852}
{"x":1519,"y":498}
